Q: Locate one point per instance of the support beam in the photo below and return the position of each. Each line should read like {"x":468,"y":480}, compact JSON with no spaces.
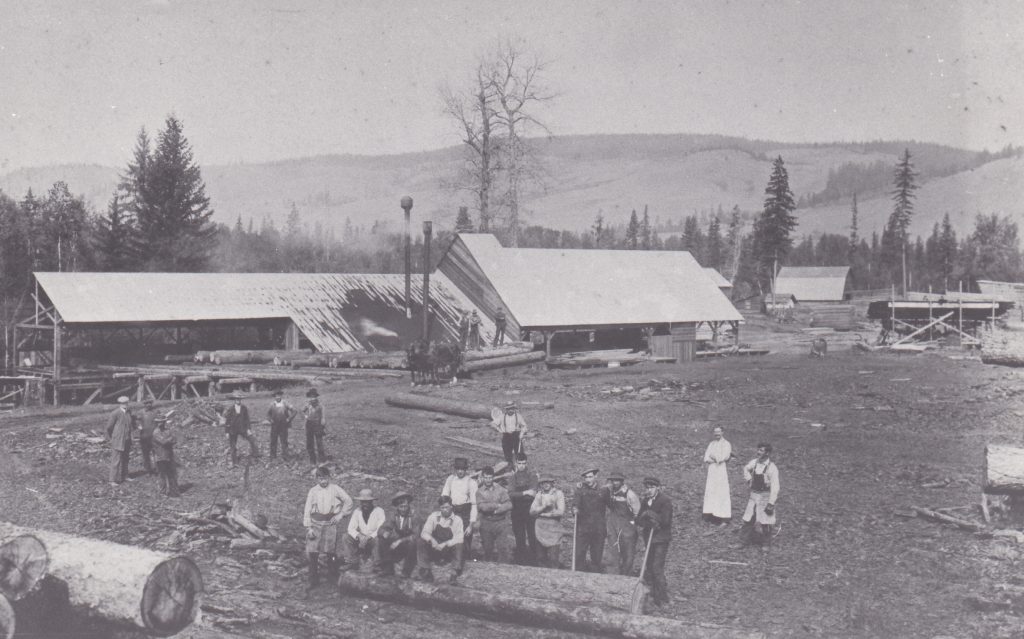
{"x":56,"y":364}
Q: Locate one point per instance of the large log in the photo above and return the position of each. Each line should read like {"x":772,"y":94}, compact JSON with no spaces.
{"x":255,"y":356}
{"x":506,"y":602}
{"x":1003,"y":471}
{"x":438,"y":405}
{"x":23,"y":562}
{"x":178,"y":359}
{"x":514,"y":348}
{"x":154,"y":591}
{"x":320,"y":361}
{"x":6,"y":619}
{"x":390,"y":360}
{"x":572,"y":588}
{"x":503,"y":362}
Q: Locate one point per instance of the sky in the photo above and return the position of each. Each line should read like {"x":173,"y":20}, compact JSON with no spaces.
{"x":274,"y":79}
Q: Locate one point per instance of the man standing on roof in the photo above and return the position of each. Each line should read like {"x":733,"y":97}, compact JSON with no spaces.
{"x":493,"y":505}
{"x":461,"y":489}
{"x":521,"y":492}
{"x":236,"y":424}
{"x":327,"y":505}
{"x":655,"y":522}
{"x":623,"y":507}
{"x":474,"y":330}
{"x":119,"y":431}
{"x":500,"y":322}
{"x":147,"y":423}
{"x":512,"y":427}
{"x":280,"y":415}
{"x":315,"y":427}
{"x":590,"y":503}
{"x":762,"y":476}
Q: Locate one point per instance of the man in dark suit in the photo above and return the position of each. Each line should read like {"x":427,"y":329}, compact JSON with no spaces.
{"x":399,"y":535}
{"x":655,"y":521}
{"x":236,"y":423}
{"x":119,"y":430}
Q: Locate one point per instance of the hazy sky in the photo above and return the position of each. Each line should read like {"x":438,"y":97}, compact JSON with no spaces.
{"x":274,"y":79}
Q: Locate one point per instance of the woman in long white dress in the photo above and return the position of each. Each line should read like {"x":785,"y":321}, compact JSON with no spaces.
{"x":717,"y":502}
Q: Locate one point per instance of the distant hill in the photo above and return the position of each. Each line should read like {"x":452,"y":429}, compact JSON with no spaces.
{"x":674,"y":175}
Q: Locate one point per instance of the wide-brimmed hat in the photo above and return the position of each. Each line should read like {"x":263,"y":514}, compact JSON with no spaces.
{"x":590,"y":470}
{"x":510,"y":404}
{"x":365,"y":495}
{"x":312,"y":393}
{"x":237,"y":395}
{"x":123,"y":399}
{"x":400,"y":496}
{"x":616,"y":475}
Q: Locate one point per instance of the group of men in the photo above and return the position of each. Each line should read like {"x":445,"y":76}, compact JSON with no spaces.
{"x":469,"y":329}
{"x":762,"y":478}
{"x":156,"y":443}
{"x":280,"y":415}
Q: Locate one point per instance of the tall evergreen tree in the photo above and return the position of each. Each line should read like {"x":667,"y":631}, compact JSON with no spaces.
{"x":773,"y":228}
{"x":947,"y":252}
{"x":116,"y":238}
{"x":633,"y":232}
{"x":713,"y":247}
{"x":895,"y":238}
{"x":734,"y":241}
{"x":854,"y":237}
{"x":647,"y":235}
{"x":64,"y":227}
{"x":463,"y":222}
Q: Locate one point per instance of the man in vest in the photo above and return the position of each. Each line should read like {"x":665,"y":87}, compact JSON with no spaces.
{"x":655,"y":520}
{"x":280,"y":415}
{"x":590,"y":504}
{"x":461,"y":489}
{"x":147,"y":425}
{"x":119,"y":431}
{"x":441,"y":541}
{"x":315,"y":427}
{"x":493,"y":505}
{"x":327,"y":505}
{"x":398,"y":536}
{"x":236,"y":424}
{"x":361,"y":539}
{"x":762,"y":476}
{"x":623,"y":507}
{"x":512,"y":427}
{"x":474,"y":331}
{"x":521,"y":492}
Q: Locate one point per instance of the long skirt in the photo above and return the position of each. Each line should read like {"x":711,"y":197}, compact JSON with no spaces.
{"x":756,"y":507}
{"x":717,"y":501}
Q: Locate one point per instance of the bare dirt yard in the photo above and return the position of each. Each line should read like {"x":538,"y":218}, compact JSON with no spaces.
{"x":859,"y":438}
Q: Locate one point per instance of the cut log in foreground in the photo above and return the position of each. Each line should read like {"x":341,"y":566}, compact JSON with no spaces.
{"x":6,"y":619}
{"x":438,"y":405}
{"x":154,"y":591}
{"x":1003,"y":472}
{"x":23,"y":562}
{"x":504,"y":602}
{"x":503,"y":362}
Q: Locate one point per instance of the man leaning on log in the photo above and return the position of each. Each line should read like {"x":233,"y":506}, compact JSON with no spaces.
{"x":119,"y":430}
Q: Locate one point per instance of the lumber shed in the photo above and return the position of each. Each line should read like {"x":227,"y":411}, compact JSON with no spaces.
{"x":79,"y":320}
{"x":815,"y":284}
{"x":662,"y":297}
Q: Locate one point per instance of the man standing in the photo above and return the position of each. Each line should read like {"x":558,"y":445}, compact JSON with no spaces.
{"x":119,"y":431}
{"x":464,"y":330}
{"x":315,"y":427}
{"x":655,"y":521}
{"x":493,"y":505}
{"x":521,"y":494}
{"x":512,"y":427}
{"x":361,"y":539}
{"x":590,"y":503}
{"x":500,"y":321}
{"x":326,"y":506}
{"x":280,"y":415}
{"x":147,"y":422}
{"x":548,"y":507}
{"x":762,"y":476}
{"x":236,"y":423}
{"x":717,"y":500}
{"x":474,"y":330}
{"x":461,"y":489}
{"x":441,"y":541}
{"x":398,"y":537}
{"x":623,"y":507}
{"x":166,"y":465}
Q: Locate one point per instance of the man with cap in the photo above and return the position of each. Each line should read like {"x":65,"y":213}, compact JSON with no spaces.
{"x":280,"y":415}
{"x":521,"y":492}
{"x":441,"y":541}
{"x":548,"y":507}
{"x":590,"y":504}
{"x":166,"y":465}
{"x":655,"y":520}
{"x":147,"y":423}
{"x":119,"y":431}
{"x":623,"y":507}
{"x":236,"y":424}
{"x":315,"y":427}
{"x":493,"y":505}
{"x":363,"y":526}
{"x":461,"y":489}
{"x":398,"y":536}
{"x":512,"y":427}
{"x":327,"y":505}
{"x":762,"y":476}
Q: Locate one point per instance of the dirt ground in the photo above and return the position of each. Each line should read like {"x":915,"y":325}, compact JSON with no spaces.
{"x":858,"y":437}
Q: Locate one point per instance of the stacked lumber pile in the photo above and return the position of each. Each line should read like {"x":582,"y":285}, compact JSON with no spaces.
{"x":247,"y":357}
{"x":839,"y":317}
{"x":1003,"y":347}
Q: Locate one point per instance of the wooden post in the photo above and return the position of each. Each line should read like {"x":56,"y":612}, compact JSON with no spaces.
{"x":56,"y":361}
{"x":427,"y":232}
{"x":547,"y":342}
{"x":406,"y":204}
{"x":140,"y":394}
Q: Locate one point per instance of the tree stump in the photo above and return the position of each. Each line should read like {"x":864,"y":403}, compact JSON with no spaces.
{"x":23,"y":562}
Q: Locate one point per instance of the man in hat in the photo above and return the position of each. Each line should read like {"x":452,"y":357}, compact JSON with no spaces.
{"x":512,"y":427}
{"x":441,"y":541}
{"x":493,"y":505}
{"x":762,"y":476}
{"x":623,"y":507}
{"x":548,"y":507}
{"x":166,"y":465}
{"x":655,"y":520}
{"x":521,"y":492}
{"x":361,"y":539}
{"x":327,"y":504}
{"x":500,"y":322}
{"x":474,"y":330}
{"x":461,"y":489}
{"x":464,"y":330}
{"x":590,"y":503}
{"x":236,"y":424}
{"x":147,"y":423}
{"x":280,"y":415}
{"x":398,"y":536}
{"x":315,"y":427}
{"x":119,"y":431}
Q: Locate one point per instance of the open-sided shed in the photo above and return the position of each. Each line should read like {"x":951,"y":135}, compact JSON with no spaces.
{"x":814,"y":284}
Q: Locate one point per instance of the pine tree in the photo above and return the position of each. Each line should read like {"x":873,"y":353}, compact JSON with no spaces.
{"x":463,"y":222}
{"x":633,"y":232}
{"x":895,"y":238}
{"x":116,"y":238}
{"x":947,"y":251}
{"x":713,"y":244}
{"x":599,"y":230}
{"x":293,"y":225}
{"x":63,"y":230}
{"x":734,"y":244}
{"x":773,"y":228}
{"x":854,"y":238}
{"x":647,"y":235}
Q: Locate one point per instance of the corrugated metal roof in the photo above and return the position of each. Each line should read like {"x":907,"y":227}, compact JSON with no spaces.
{"x":336,"y":312}
{"x":563,"y":287}
{"x":717,"y":277}
{"x":813,"y":283}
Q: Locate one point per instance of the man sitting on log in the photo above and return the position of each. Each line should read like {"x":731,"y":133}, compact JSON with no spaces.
{"x":398,"y":536}
{"x":236,"y":423}
{"x":521,"y":492}
{"x":461,"y":489}
{"x":591,"y":504}
{"x":361,"y":539}
{"x":327,"y":504}
{"x":315,"y":427}
{"x":147,"y":425}
{"x":512,"y":427}
{"x":493,"y":505}
{"x":655,"y":520}
{"x":548,"y":507}
{"x":166,"y":465}
{"x":441,"y":541}
{"x":280,"y":415}
{"x":119,"y":431}
{"x":762,"y":476}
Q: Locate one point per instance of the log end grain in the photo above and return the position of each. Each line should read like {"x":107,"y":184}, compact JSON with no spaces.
{"x":172,"y":596}
{"x":6,"y":619}
{"x":23,"y":562}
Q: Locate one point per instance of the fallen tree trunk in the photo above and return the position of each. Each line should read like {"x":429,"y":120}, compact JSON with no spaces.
{"x":505,"y":603}
{"x":6,"y":619}
{"x":947,"y":519}
{"x":438,"y":405}
{"x":504,"y":362}
{"x":1003,"y":472}
{"x":256,"y":356}
{"x":133,"y":586}
{"x":473,"y":444}
{"x":23,"y":562}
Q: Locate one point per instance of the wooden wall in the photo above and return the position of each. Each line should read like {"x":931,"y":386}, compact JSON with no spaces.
{"x":459,"y":266}
{"x":680,"y":343}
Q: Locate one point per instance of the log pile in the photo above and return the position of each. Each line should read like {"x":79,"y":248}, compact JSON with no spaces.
{"x":241,"y":528}
{"x":247,"y":357}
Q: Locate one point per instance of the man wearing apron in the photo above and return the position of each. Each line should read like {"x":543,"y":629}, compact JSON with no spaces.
{"x":441,"y":541}
{"x":327,"y":505}
{"x":623,"y":507}
{"x":762,"y":476}
{"x":548,"y":507}
{"x":461,"y":489}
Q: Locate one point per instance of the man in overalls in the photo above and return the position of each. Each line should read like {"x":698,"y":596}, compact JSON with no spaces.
{"x":623,"y":507}
{"x":461,"y":489}
{"x":280,"y":415}
{"x":441,"y":541}
{"x":522,"y":491}
{"x":327,"y":505}
{"x":591,"y":505}
{"x":315,"y":427}
{"x":762,"y":476}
